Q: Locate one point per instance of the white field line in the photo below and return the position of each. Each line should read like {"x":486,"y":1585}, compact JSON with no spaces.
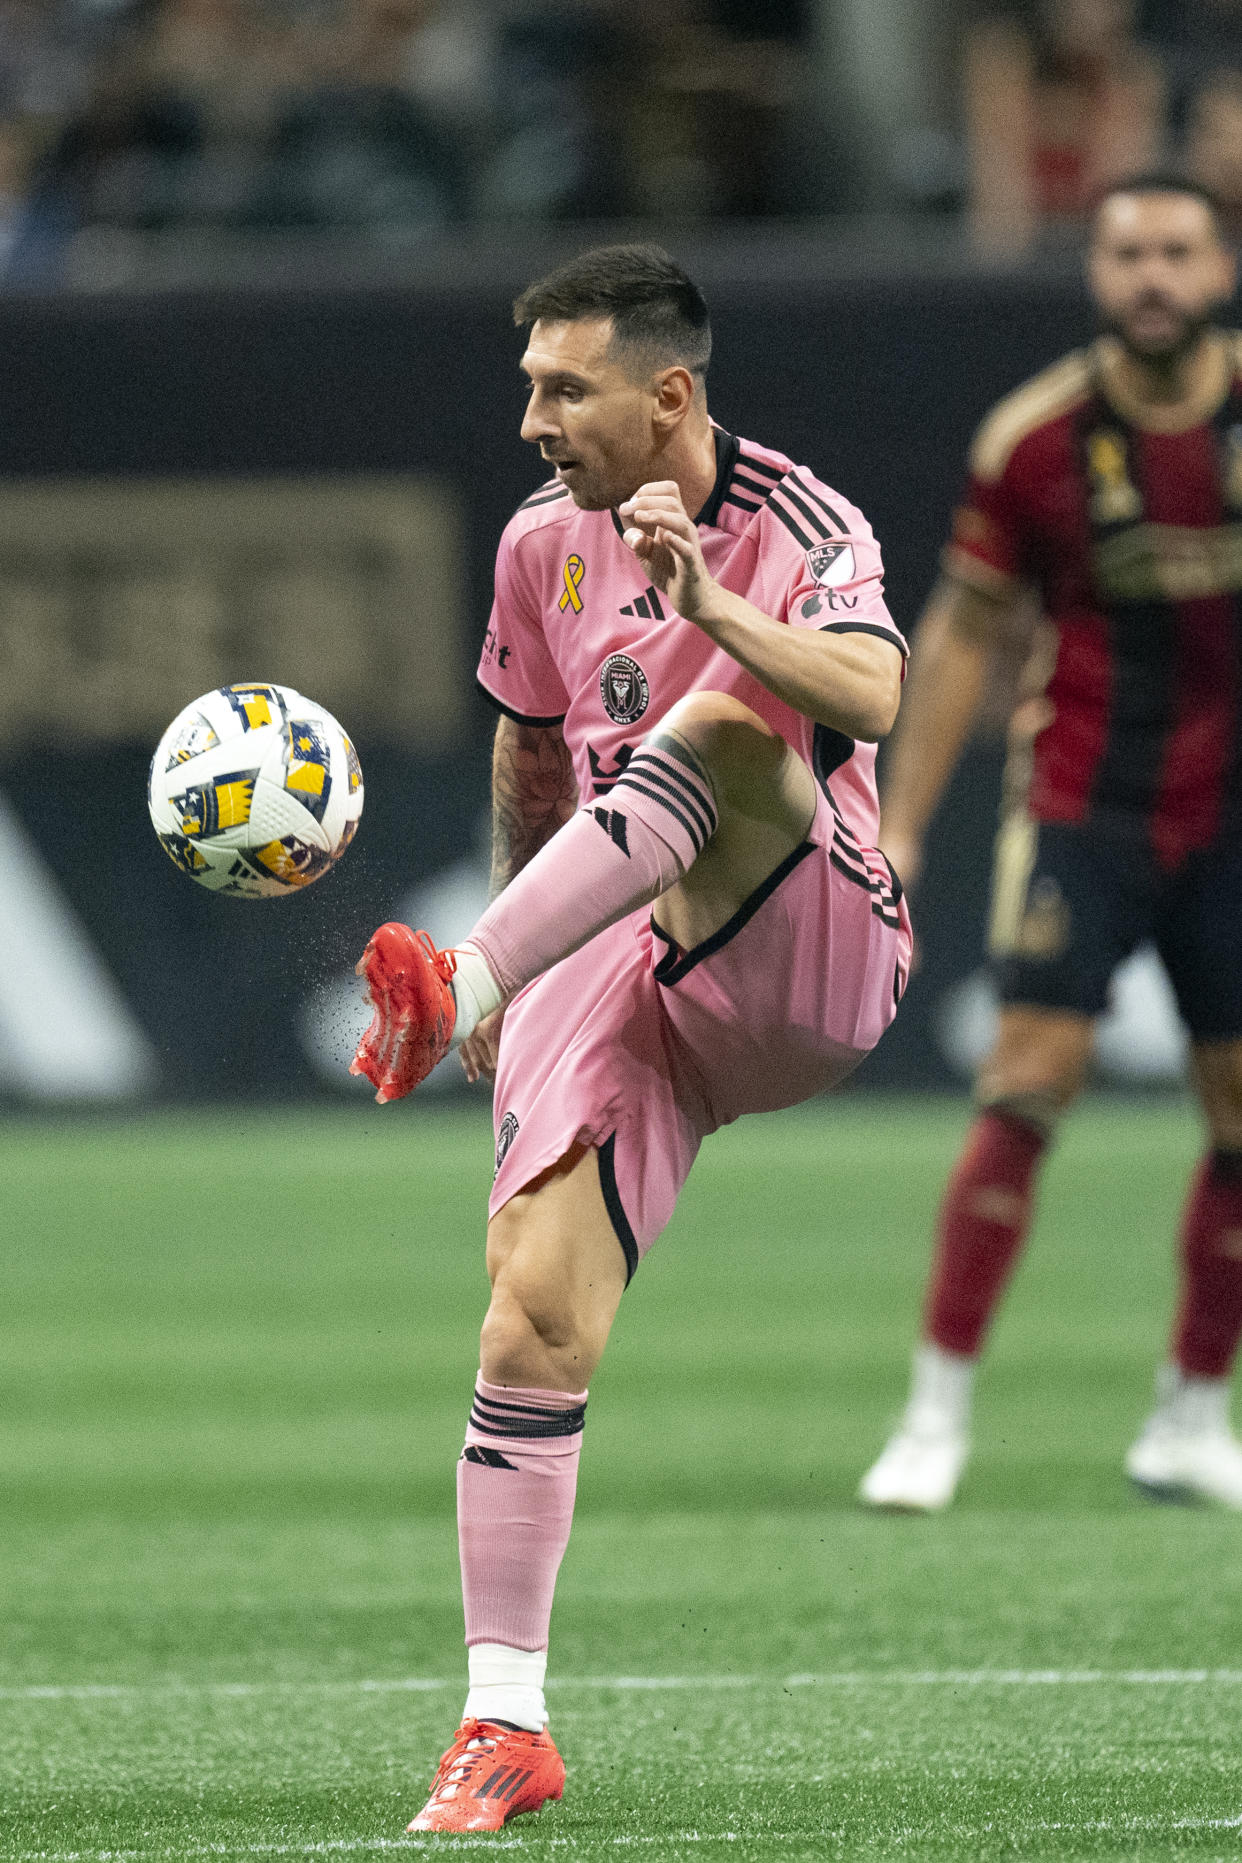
{"x":649,"y":1684}
{"x":1121,"y":1827}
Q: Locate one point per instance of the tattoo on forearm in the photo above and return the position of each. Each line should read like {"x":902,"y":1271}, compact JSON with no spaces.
{"x":533,"y":794}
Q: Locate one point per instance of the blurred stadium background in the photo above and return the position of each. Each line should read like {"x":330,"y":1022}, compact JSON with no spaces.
{"x":258,"y":420}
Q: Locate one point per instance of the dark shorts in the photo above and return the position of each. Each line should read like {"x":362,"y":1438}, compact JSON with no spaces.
{"x":1070,"y":902}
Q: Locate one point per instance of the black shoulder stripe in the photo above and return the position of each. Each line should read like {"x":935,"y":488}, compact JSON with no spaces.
{"x":761,"y":465}
{"x":751,"y":485}
{"x":815,"y":522}
{"x":834,"y":517}
{"x":791,"y":524}
{"x":747,"y":504}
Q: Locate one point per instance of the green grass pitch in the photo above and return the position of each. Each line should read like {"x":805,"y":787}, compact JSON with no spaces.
{"x":236,"y":1355}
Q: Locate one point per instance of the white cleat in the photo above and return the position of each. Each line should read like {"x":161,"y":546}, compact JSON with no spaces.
{"x":918,"y":1469}
{"x":1186,"y":1451}
{"x":1170,"y":1465}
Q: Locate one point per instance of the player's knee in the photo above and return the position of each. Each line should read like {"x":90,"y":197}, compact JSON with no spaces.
{"x":1037,"y":1067}
{"x":701,"y":714}
{"x":742,"y":757}
{"x":723,"y":734}
{"x":1041,"y":1109}
{"x":1218,"y":1071}
{"x":532,"y":1336}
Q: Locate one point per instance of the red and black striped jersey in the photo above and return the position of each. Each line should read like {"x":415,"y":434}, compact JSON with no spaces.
{"x":1128,"y":525}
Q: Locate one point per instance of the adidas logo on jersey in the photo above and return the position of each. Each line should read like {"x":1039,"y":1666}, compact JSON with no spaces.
{"x":647,"y":606}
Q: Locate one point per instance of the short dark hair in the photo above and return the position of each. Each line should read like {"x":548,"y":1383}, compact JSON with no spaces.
{"x":658,"y":313}
{"x":1164,"y":181}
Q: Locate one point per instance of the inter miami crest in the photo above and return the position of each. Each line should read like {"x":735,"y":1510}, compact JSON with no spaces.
{"x":507,"y":1132}
{"x":623,"y":688}
{"x":832,"y":563}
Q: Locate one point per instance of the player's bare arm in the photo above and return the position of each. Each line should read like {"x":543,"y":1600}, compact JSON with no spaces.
{"x":533,"y":794}
{"x":960,"y":631}
{"x":851,"y":682}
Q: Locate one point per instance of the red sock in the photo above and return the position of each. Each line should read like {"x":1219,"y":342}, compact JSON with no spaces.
{"x":983,"y":1223}
{"x":1209,"y":1323}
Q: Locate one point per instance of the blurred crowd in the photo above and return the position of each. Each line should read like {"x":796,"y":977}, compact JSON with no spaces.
{"x":396,"y":119}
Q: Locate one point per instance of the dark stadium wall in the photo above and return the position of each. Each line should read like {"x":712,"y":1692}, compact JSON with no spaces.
{"x":876,"y":383}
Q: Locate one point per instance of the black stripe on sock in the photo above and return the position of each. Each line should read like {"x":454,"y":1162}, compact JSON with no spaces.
{"x":495,"y":1418}
{"x":679,"y":770}
{"x":652,"y":772}
{"x":525,"y":1410}
{"x":523,"y":1431}
{"x":643,"y":789}
{"x":675,"y":747}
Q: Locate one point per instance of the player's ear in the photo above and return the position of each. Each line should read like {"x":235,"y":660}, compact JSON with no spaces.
{"x":674,"y":396}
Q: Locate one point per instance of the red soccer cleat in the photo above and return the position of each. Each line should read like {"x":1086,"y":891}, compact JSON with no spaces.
{"x":408,"y":984}
{"x":489,"y":1775}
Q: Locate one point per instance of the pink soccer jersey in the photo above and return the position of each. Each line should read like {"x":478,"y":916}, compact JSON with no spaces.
{"x":577,"y":635}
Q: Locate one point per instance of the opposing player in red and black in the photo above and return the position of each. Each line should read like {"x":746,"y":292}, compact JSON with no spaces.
{"x":1110,"y":488}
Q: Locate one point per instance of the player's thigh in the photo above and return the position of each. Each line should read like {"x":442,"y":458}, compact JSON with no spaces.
{"x":766,"y":798}
{"x":1039,"y":1056}
{"x":1069,"y":904}
{"x":1200,"y":941}
{"x":1199,"y":938}
{"x":557,"y":1273}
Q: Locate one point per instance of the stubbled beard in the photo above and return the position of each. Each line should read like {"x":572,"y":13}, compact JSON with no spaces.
{"x":1194,"y":327}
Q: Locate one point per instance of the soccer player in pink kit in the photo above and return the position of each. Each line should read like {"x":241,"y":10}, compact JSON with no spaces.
{"x":693,"y":662}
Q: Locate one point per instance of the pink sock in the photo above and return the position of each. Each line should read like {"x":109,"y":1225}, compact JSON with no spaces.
{"x":610,"y":858}
{"x":516,"y":1482}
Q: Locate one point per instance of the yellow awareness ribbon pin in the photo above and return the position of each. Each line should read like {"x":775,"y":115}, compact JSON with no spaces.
{"x":573,"y":572}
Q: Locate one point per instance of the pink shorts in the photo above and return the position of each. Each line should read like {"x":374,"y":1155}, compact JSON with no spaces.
{"x":641,"y":1050}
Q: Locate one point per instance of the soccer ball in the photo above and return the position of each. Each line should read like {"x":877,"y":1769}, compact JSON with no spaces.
{"x":254,"y":790}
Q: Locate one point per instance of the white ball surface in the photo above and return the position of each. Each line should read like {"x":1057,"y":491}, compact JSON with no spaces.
{"x":254,"y":790}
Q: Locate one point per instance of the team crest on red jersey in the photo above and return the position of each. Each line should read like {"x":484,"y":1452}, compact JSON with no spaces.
{"x":623,"y":688}
{"x":832,"y":563}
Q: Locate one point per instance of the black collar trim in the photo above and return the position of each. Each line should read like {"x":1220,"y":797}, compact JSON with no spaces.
{"x":728,"y":446}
